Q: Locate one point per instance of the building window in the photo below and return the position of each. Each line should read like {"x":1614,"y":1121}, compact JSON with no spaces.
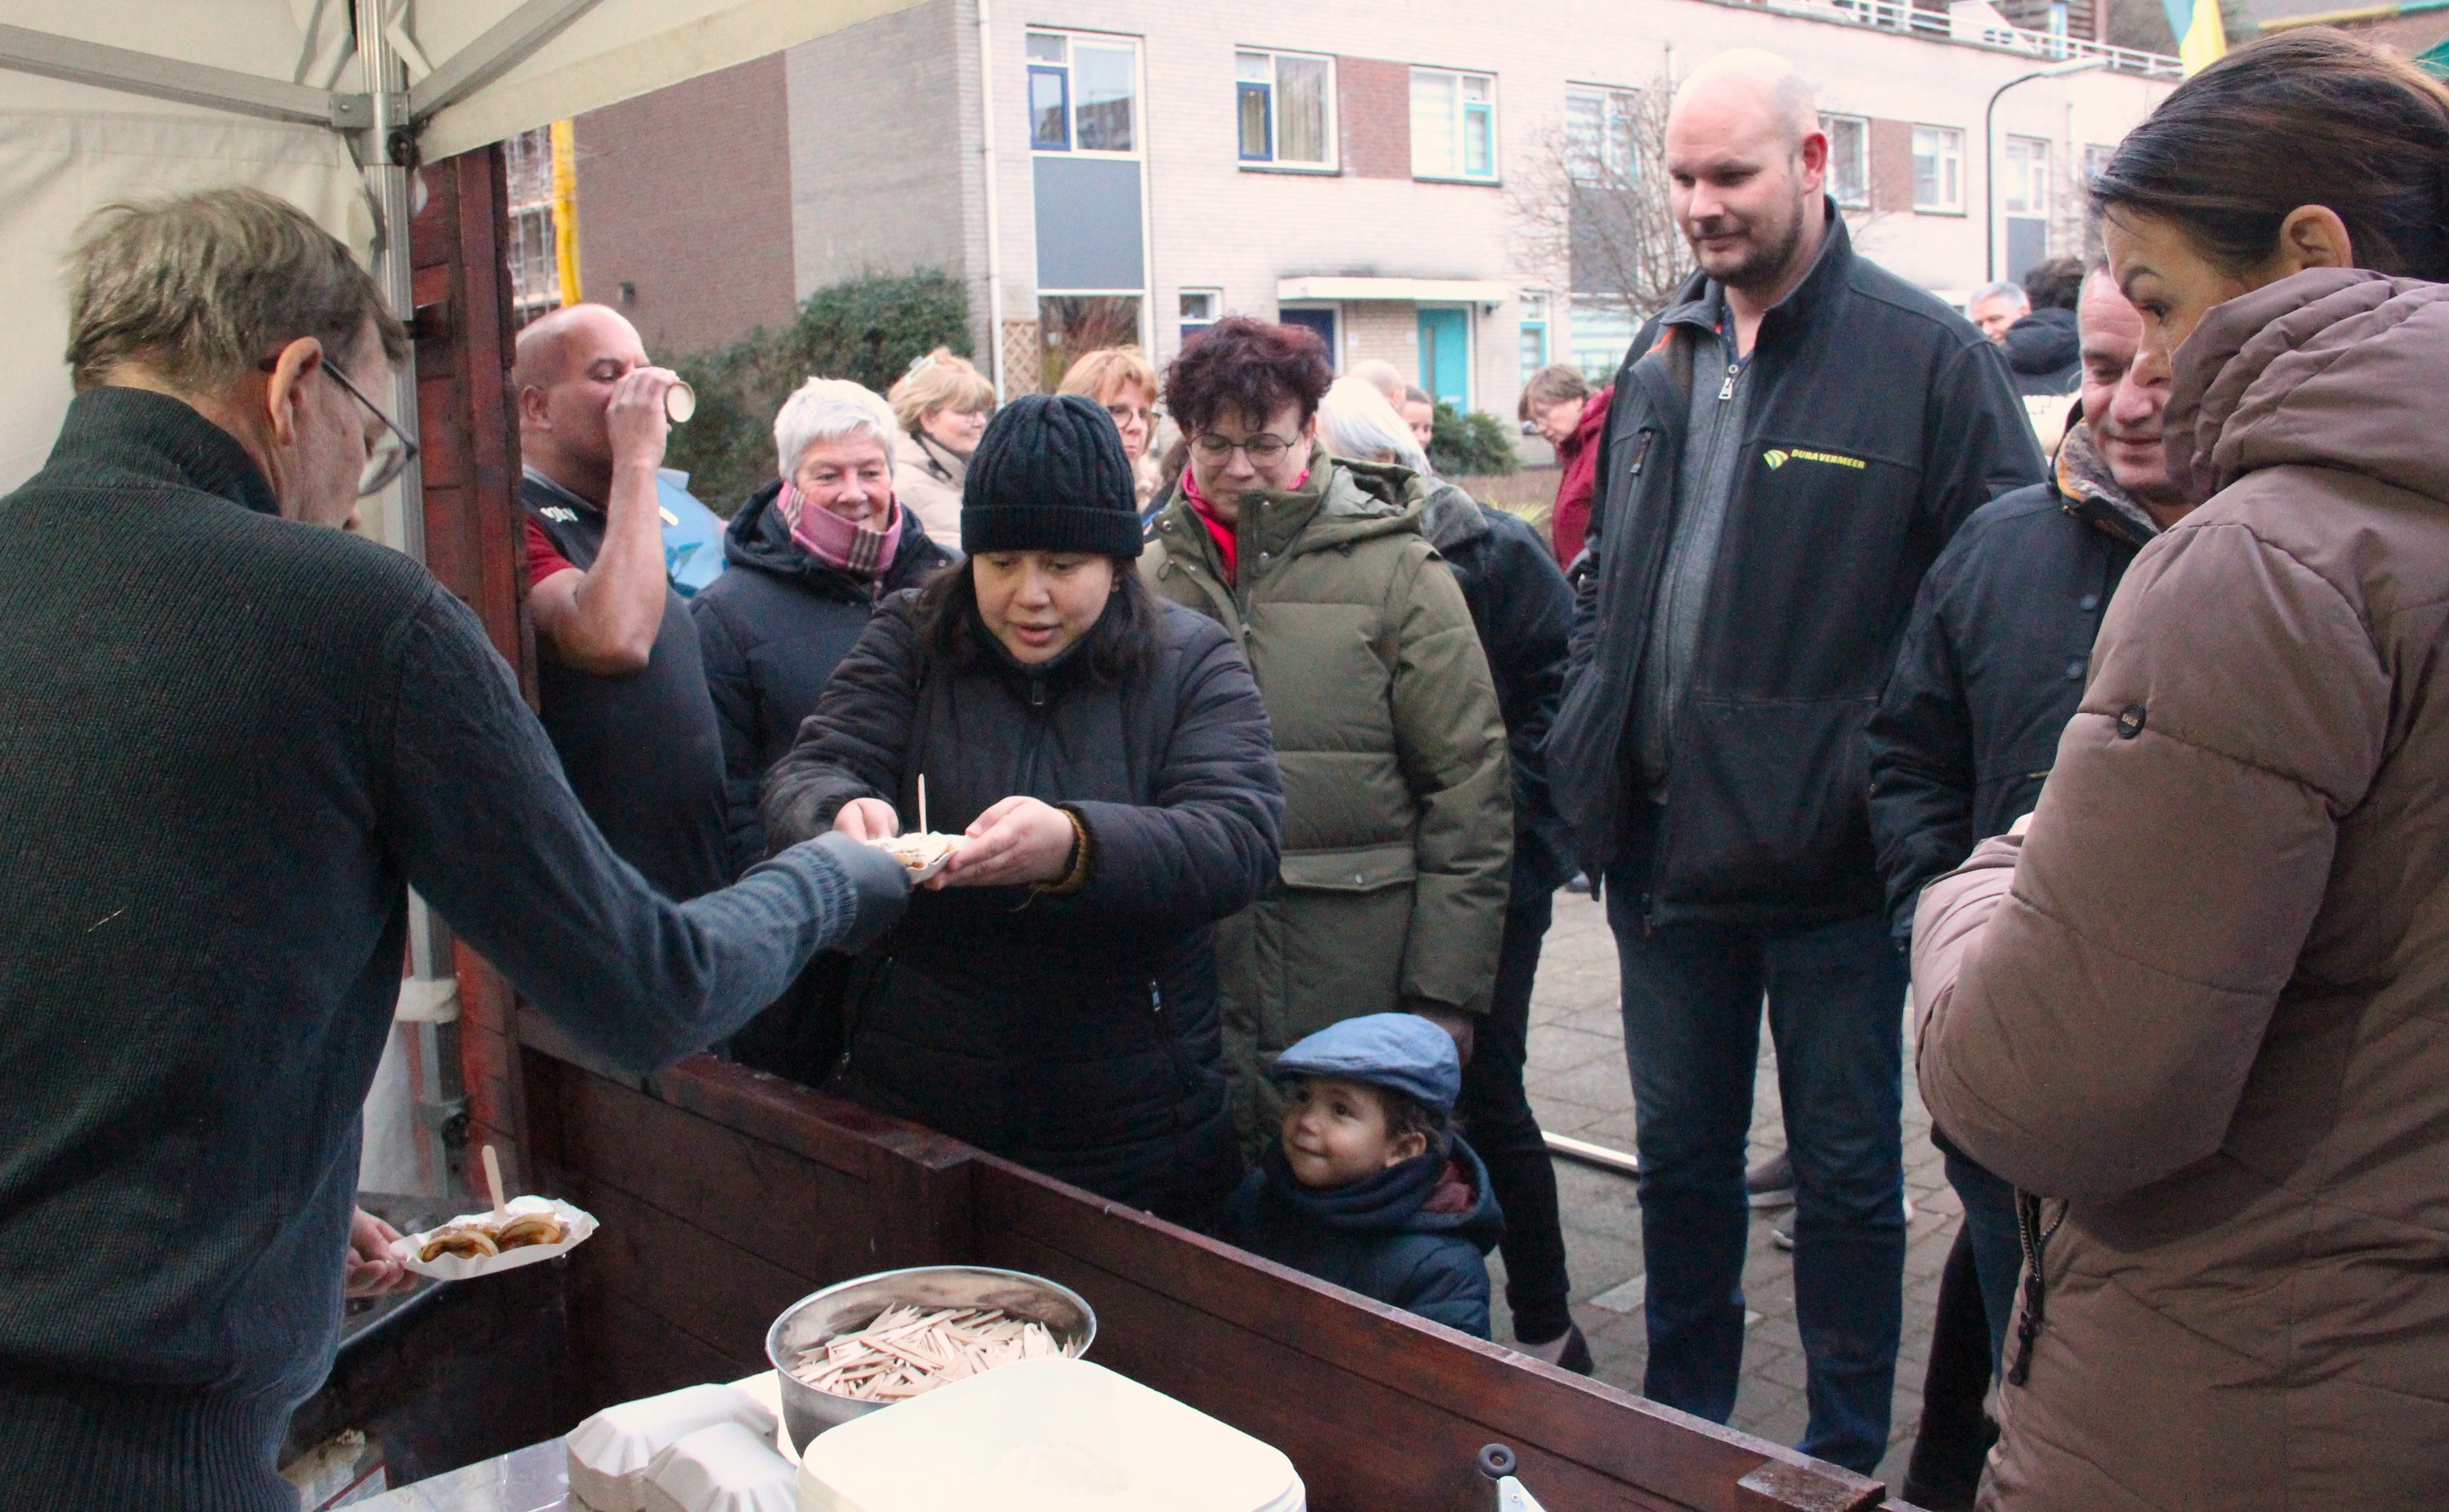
{"x":1534,"y":333}
{"x":1082,"y":94}
{"x":1200,"y":308}
{"x":1938,"y":168}
{"x":1849,"y":160}
{"x":1603,"y":331}
{"x":1286,"y":105}
{"x":535,"y":246}
{"x":2095,"y":160}
{"x":2026,"y":189}
{"x":1600,"y":143}
{"x":1454,"y":125}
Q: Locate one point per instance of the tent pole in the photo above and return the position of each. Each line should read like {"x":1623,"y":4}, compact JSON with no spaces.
{"x":429,"y":999}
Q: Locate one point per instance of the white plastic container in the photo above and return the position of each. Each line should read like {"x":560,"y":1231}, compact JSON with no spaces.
{"x":723,"y":1468}
{"x":1044,"y":1436}
{"x":609,"y":1452}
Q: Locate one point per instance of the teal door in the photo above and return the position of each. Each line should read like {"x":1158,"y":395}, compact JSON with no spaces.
{"x":1445,"y":357}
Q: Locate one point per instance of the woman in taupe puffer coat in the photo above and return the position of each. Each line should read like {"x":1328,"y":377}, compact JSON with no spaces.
{"x":2200,"y":1013}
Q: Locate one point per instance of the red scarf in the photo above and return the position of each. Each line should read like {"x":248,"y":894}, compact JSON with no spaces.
{"x":855,"y":549}
{"x":1217,"y":530}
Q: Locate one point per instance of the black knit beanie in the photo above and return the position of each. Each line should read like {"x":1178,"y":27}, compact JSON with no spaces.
{"x":1051,"y":475}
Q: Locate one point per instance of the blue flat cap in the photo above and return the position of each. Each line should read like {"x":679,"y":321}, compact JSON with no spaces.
{"x":1399,"y":1050}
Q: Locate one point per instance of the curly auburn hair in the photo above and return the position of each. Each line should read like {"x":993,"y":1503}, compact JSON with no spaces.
{"x":1247,"y":369}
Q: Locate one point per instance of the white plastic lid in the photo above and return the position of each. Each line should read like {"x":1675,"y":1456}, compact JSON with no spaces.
{"x":1039,"y":1436}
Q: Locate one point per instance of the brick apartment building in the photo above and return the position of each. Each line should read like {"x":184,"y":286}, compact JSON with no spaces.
{"x":1362,"y":166}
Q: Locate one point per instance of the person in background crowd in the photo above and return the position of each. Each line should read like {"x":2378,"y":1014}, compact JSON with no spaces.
{"x":1790,"y":443}
{"x":943,"y":403}
{"x":1398,"y":815}
{"x":232,"y":735}
{"x":1383,"y":376}
{"x":1523,"y":611}
{"x":1996,"y":307}
{"x":1420,"y":412}
{"x":2193,"y":1009}
{"x":619,"y":679}
{"x":812,"y":553}
{"x":1992,"y":669}
{"x":1053,"y":995}
{"x":1121,"y":380}
{"x":1558,"y":403}
{"x":1367,"y":1185}
{"x":2043,"y":353}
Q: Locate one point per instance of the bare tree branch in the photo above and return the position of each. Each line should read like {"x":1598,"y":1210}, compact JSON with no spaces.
{"x":1592,"y":213}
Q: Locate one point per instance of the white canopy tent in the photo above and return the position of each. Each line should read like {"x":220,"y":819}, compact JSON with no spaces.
{"x":327,"y":103}
{"x":104,"y":98}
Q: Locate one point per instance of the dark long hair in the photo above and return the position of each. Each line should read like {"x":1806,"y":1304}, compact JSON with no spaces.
{"x":1119,"y":648}
{"x":2312,"y":116}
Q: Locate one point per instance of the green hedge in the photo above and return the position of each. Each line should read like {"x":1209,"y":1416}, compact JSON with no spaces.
{"x":867,"y":330}
{"x":1473,"y":445}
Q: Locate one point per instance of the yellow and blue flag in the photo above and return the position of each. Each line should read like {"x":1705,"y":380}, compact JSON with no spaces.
{"x":2202,"y":37}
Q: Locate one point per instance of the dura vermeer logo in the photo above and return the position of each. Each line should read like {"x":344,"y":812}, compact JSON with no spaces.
{"x":1779,"y":456}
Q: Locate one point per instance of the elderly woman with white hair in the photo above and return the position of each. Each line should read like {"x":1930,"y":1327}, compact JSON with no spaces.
{"x":810,"y":555}
{"x":1522,"y":610}
{"x":809,"y":558}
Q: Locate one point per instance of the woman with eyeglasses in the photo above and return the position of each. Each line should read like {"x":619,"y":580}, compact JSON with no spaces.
{"x":1398,"y":821}
{"x":942,"y":403}
{"x":1121,"y":380}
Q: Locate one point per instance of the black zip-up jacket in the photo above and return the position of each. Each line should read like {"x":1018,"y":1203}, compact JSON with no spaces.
{"x":1076,"y":1033}
{"x":1993,"y":664}
{"x":771,"y":631}
{"x":1876,"y":421}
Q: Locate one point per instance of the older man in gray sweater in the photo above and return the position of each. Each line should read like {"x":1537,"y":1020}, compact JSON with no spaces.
{"x":231,"y":737}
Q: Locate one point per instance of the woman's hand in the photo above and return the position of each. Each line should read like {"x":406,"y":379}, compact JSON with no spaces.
{"x":868,"y":819}
{"x":1019,"y":840}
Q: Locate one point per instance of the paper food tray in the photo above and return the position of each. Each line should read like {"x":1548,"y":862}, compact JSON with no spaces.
{"x":920,"y":875}
{"x":575,"y":1223}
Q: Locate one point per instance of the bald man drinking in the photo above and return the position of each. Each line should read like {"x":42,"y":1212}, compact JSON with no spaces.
{"x":1789,"y":443}
{"x":622,"y":685}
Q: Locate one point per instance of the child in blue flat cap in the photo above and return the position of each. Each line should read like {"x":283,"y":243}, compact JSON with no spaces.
{"x":1369,"y":1187}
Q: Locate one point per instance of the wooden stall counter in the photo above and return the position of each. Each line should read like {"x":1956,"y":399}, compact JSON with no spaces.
{"x":726,"y":1194}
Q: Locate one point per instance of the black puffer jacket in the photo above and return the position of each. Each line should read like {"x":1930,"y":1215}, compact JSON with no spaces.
{"x":771,"y":631}
{"x":1524,"y":612}
{"x":2045,"y":352}
{"x":1993,"y":666}
{"x":1074,"y":1033}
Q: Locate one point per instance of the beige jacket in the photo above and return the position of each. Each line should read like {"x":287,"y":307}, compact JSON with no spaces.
{"x":2203,"y":1008}
{"x":927,"y":478}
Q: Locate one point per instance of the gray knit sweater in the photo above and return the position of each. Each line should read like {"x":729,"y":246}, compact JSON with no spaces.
{"x":228,"y":744}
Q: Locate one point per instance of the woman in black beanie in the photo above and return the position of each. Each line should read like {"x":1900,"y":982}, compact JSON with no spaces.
{"x":1051,"y":996}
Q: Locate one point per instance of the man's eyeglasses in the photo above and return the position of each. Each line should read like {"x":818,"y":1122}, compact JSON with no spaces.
{"x":386,"y":457}
{"x":1260,"y":448}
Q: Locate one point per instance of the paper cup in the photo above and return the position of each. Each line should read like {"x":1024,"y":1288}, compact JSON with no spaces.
{"x":679,"y":402}
{"x":578,"y":1225}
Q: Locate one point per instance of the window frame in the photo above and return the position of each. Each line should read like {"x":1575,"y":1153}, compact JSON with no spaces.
{"x":1461,"y":124}
{"x":2037,"y":187}
{"x":1532,"y":307}
{"x":1066,"y":72}
{"x":1943,"y":160}
{"x":1275,"y":162}
{"x":1618,"y":107}
{"x":1862,"y":199}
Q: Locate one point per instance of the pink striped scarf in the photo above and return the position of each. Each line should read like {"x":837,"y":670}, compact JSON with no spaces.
{"x":839,"y":543}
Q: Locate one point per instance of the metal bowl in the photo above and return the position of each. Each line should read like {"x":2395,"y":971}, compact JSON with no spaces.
{"x":849,"y":1305}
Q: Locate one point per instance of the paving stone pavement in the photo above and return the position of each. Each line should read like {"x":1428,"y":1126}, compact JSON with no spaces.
{"x":1579,"y":1086}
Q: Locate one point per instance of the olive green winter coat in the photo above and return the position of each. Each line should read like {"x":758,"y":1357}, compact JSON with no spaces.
{"x":1399,"y":823}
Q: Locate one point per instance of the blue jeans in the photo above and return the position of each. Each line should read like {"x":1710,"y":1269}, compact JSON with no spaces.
{"x":1997,"y":1249}
{"x":1691,"y":1036}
